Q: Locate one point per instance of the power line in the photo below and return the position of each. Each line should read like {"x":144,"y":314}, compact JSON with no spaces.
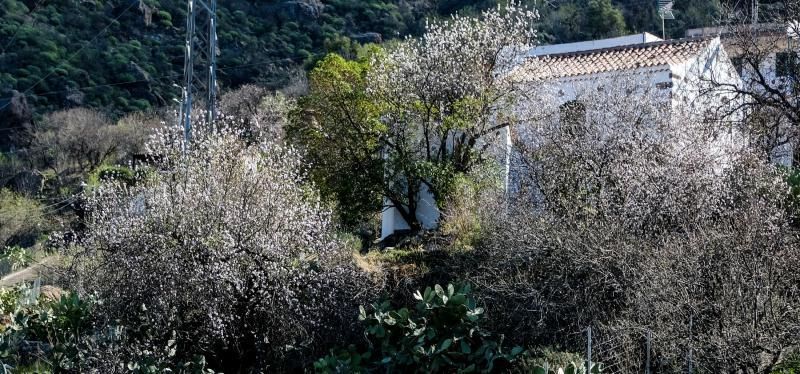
{"x":12,"y":128}
{"x":68,"y":201}
{"x":173,"y":75}
{"x":19,"y":28}
{"x":21,"y":150}
{"x":78,"y":51}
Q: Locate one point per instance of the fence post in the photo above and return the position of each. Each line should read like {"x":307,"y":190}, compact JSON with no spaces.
{"x":691,"y":317}
{"x":588,"y":349}
{"x":647,"y":345}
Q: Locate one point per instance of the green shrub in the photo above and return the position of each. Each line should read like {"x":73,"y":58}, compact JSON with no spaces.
{"x":550,"y":357}
{"x":40,"y":330}
{"x":8,"y":299}
{"x":21,"y":219}
{"x":792,"y":178}
{"x":61,"y":334}
{"x":118,"y":173}
{"x":442,"y":333}
{"x":791,"y":365}
{"x":16,"y":257}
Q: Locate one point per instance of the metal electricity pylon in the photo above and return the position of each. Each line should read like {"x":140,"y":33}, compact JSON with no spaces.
{"x":200,"y":65}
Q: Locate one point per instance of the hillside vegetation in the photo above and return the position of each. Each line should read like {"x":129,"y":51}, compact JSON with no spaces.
{"x":654,"y":231}
{"x":127,"y":55}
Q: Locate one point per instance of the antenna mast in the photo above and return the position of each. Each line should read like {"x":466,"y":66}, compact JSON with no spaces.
{"x":665,"y":12}
{"x":200,"y":64}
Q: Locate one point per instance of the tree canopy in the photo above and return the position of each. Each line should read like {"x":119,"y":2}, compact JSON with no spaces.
{"x":123,"y":56}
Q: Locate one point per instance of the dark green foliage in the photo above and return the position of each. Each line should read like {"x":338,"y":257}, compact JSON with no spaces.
{"x":571,"y":368}
{"x":70,"y":53}
{"x":67,"y":53}
{"x":117,"y":173}
{"x":604,"y":19}
{"x":789,"y":366}
{"x":47,"y":330}
{"x":443,"y":333}
{"x":59,"y":332}
{"x":792,"y":177}
{"x":338,"y":126}
{"x":578,"y":20}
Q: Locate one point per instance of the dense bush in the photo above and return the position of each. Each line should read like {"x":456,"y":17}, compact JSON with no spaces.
{"x":21,"y":219}
{"x":45,"y":329}
{"x":443,"y":333}
{"x":256,"y":113}
{"x":792,"y":177}
{"x":225,"y":253}
{"x":627,"y":231}
{"x":79,"y":140}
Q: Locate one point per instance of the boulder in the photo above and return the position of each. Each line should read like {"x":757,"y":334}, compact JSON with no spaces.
{"x":139,"y":72}
{"x":28,"y":182}
{"x":367,"y":37}
{"x":15,"y":115}
{"x":74,"y":98}
{"x":301,"y":9}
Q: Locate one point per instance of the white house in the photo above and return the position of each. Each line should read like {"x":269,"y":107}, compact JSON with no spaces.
{"x":679,"y":68}
{"x":777,"y":47}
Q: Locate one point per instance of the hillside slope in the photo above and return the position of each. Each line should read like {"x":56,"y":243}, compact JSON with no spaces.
{"x":127,"y":55}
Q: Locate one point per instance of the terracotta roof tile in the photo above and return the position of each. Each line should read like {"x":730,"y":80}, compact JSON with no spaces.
{"x":629,"y":57}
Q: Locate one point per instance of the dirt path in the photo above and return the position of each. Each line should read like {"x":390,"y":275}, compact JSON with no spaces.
{"x":27,"y":274}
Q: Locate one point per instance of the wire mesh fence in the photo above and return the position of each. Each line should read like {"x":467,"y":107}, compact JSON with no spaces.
{"x":632,"y":349}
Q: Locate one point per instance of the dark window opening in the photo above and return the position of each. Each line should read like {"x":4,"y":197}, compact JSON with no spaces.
{"x":786,"y":64}
{"x":738,"y":64}
{"x":664,"y":85}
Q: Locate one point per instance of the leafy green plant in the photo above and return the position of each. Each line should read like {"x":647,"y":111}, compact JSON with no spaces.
{"x":42,"y":334}
{"x":40,"y":328}
{"x":16,"y":256}
{"x":117,"y":173}
{"x":8,"y":299}
{"x":348,"y":360}
{"x":791,"y":365}
{"x":150,"y":365}
{"x":21,"y":219}
{"x":442,"y":333}
{"x":792,"y":178}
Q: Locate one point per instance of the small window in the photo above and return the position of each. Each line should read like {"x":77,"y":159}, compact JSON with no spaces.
{"x":738,"y":64}
{"x":664,"y":85}
{"x":786,"y":64}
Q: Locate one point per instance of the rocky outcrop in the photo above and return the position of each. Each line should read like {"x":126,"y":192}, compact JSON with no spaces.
{"x":139,"y":72}
{"x":367,"y":37}
{"x":27,"y":182}
{"x":147,"y":13}
{"x":301,"y":9}
{"x":15,"y":115}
